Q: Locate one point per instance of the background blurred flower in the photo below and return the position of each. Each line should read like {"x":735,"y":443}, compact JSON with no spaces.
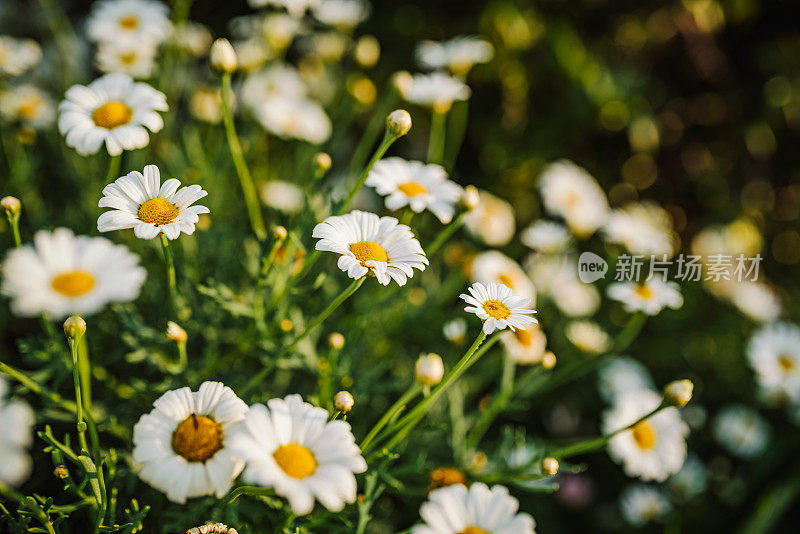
{"x":16,"y":421}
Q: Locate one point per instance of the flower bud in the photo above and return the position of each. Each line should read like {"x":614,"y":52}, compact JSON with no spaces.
{"x":429,"y":369}
{"x":679,"y":392}
{"x":336,"y":341}
{"x":548,"y":360}
{"x":222,"y":56}
{"x":471,"y":197}
{"x":322,"y":161}
{"x":12,"y":205}
{"x":176,"y":333}
{"x":398,"y":123}
{"x":61,"y":472}
{"x":74,"y":327}
{"x":343,"y":401}
{"x":279,"y":233}
{"x":550,"y":466}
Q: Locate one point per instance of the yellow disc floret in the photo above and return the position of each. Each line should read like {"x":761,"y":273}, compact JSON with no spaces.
{"x":73,"y":283}
{"x":496,"y":309}
{"x":474,"y":530}
{"x":644,"y":291}
{"x":129,"y":22}
{"x":295,"y":460}
{"x":112,"y":114}
{"x":368,"y":250}
{"x":645,"y":435}
{"x":197,"y":438}
{"x":412,"y":189}
{"x":158,"y":211}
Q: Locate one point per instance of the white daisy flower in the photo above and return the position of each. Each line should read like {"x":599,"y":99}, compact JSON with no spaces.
{"x":494,"y":266}
{"x":374,"y":245}
{"x":477,"y":510}
{"x":292,"y":117}
{"x":497,"y":307}
{"x":16,"y":421}
{"x":642,"y":228}
{"x":492,"y":220}
{"x":61,"y":274}
{"x":112,"y":109}
{"x":18,"y":55}
{"x":459,"y":54}
{"x":741,"y":430}
{"x":556,"y":276}
{"x":754,"y":299}
{"x":572,"y":193}
{"x":283,"y":196}
{"x":139,"y":201}
{"x":691,"y":480}
{"x":649,"y":297}
{"x":417,"y":185}
{"x":642,"y":504}
{"x":145,"y":22}
{"x":135,"y":59}
{"x":436,"y":90}
{"x":344,"y":15}
{"x":621,"y":375}
{"x":546,"y":236}
{"x":527,"y":345}
{"x":277,"y":80}
{"x":774,"y":355}
{"x":655,"y":448}
{"x":205,"y":104}
{"x":291,"y":446}
{"x":184,"y":444}
{"x":455,"y":331}
{"x":29,"y":105}
{"x":587,"y":336}
{"x":193,"y":38}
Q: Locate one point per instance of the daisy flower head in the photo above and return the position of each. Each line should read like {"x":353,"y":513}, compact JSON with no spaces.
{"x":132,"y":58}
{"x":62,"y":274}
{"x":741,"y":431}
{"x":546,"y":236}
{"x":16,"y":421}
{"x":642,"y":228}
{"x":291,"y":446}
{"x":492,"y":220}
{"x":371,"y":245}
{"x":459,"y":54}
{"x":774,"y":355}
{"x":587,"y":336}
{"x":497,"y":307}
{"x":139,"y":201}
{"x":277,"y":80}
{"x":455,"y":509}
{"x":573,"y":194}
{"x":113,"y":110}
{"x":417,"y":185}
{"x":649,"y":297}
{"x":344,"y":15}
{"x":754,"y":299}
{"x":295,"y":118}
{"x":527,"y":345}
{"x":641,"y":504}
{"x":183,"y":444}
{"x":494,"y":266}
{"x":653,"y":449}
{"x":437,"y":91}
{"x":145,"y":22}
{"x":29,"y":105}
{"x":622,"y":375}
{"x":18,"y":55}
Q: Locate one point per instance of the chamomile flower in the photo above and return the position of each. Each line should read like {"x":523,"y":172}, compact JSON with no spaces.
{"x":277,"y":80}
{"x":369,"y":244}
{"x":437,"y":91}
{"x":193,"y":38}
{"x":492,"y":220}
{"x":774,"y":355}
{"x":132,"y":58}
{"x":527,"y":345}
{"x":622,"y":375}
{"x":654,"y":448}
{"x":145,"y":22}
{"x":18,"y":55}
{"x":291,"y":446}
{"x":572,"y":193}
{"x":497,"y":307}
{"x":741,"y":430}
{"x":754,"y":299}
{"x":642,"y":228}
{"x":183,"y":444}
{"x":417,"y":185}
{"x":649,"y":297}
{"x":455,"y":509}
{"x":141,"y":202}
{"x":344,"y":15}
{"x":455,"y":331}
{"x":283,"y":196}
{"x":296,"y":118}
{"x":587,"y":336}
{"x":16,"y":421}
{"x":459,"y":54}
{"x":494,"y":266}
{"x":29,"y":105}
{"x":546,"y":236}
{"x":113,"y":110}
{"x":61,"y":274}
{"x":641,"y":504}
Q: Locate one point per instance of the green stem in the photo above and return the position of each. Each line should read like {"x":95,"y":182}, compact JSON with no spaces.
{"x":28,"y":502}
{"x":455,"y":135}
{"x":172,"y":279}
{"x":37,"y":388}
{"x":246,"y":181}
{"x":247,"y":490}
{"x":113,"y":168}
{"x":445,"y":234}
{"x":390,"y":414}
{"x":436,"y":139}
{"x":13,"y":221}
{"x":386,"y":142}
{"x":76,"y":377}
{"x":183,"y":357}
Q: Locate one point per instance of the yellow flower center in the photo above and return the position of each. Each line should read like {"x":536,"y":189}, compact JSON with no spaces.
{"x":524,"y":337}
{"x":158,"y":211}
{"x":787,"y":364}
{"x":30,"y":107}
{"x":496,"y":309}
{"x":506,"y":280}
{"x":295,"y":460}
{"x":412,"y":189}
{"x":368,"y":250}
{"x":112,"y":114}
{"x":128,"y":59}
{"x":73,"y":283}
{"x":129,"y":22}
{"x":644,"y":291}
{"x":474,"y":530}
{"x":446,"y":476}
{"x":645,"y":435}
{"x":197,"y":438}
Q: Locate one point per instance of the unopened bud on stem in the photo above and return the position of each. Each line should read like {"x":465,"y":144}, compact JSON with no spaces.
{"x":471,"y":197}
{"x":11,"y":205}
{"x":74,"y":327}
{"x":343,"y":401}
{"x":176,"y":333}
{"x":550,"y":466}
{"x":398,"y":123}
{"x":679,"y":392}
{"x":429,"y":369}
{"x":223,"y":56}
